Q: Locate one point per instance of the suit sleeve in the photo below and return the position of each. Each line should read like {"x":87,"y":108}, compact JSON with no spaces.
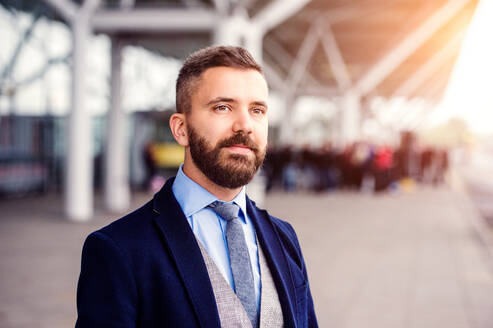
{"x":311,"y":317}
{"x":106,"y":292}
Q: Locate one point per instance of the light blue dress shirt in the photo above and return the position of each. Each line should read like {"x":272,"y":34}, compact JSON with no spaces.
{"x":210,"y":228}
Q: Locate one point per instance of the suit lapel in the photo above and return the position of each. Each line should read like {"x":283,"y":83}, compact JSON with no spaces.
{"x":185,"y":251}
{"x":271,"y":246}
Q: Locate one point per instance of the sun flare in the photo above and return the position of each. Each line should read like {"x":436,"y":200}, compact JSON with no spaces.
{"x":469,"y":93}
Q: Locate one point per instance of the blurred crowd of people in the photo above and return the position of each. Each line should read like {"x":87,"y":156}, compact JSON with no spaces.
{"x":358,"y":166}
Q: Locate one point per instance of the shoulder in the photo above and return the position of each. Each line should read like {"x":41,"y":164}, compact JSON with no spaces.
{"x":121,"y":244}
{"x":131,"y":229}
{"x":281,"y":226}
{"x":288,"y":238}
{"x":139,"y":223}
{"x":136,"y":219}
{"x":284,"y":230}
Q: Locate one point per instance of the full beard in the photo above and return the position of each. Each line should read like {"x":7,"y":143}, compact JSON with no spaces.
{"x":224,"y":169}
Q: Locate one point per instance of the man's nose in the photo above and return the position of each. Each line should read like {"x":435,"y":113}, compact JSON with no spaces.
{"x":243,"y":122}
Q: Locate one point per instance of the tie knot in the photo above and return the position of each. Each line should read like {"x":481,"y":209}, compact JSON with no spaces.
{"x":227,"y":211}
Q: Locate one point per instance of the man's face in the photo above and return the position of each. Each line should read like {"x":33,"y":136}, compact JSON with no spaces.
{"x":227,"y":125}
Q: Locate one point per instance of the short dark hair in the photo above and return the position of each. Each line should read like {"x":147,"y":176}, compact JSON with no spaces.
{"x":201,"y":60}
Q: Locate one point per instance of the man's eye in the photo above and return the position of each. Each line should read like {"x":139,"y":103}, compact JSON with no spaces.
{"x":221,"y":108}
{"x":258,"y":111}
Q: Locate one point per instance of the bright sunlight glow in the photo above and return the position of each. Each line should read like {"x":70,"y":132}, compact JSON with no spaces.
{"x":469,"y":93}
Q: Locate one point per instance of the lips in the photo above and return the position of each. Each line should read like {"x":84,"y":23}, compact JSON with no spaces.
{"x":240,"y":146}
{"x":239,"y":149}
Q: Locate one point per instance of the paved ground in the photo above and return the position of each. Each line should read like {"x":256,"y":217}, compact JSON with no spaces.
{"x":409,"y":260}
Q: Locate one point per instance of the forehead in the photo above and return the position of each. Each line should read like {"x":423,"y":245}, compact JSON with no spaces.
{"x":241,"y":84}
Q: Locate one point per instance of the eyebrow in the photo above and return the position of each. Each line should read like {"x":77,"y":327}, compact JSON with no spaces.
{"x":221,"y":99}
{"x":260,"y":103}
{"x":231,"y":100}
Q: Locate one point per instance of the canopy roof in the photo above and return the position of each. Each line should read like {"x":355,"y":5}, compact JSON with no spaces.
{"x":365,"y":33}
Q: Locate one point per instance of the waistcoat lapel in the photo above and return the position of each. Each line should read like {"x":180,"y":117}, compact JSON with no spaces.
{"x":232,"y":314}
{"x":270,"y":308}
{"x":183,"y":248}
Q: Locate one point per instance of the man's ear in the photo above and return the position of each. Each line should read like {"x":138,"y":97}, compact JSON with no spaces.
{"x":177,"y":123}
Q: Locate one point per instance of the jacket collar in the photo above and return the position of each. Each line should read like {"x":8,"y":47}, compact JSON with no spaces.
{"x":270,"y":242}
{"x":185,"y":251}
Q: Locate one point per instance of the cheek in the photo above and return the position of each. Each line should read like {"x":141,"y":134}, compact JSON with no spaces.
{"x":211,"y":130}
{"x":261,"y":135}
{"x":216,"y":126}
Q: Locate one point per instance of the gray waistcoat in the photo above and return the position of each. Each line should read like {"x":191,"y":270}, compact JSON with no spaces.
{"x":231,"y":311}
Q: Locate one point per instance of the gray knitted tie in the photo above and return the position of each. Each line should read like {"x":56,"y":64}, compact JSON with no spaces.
{"x":239,"y":258}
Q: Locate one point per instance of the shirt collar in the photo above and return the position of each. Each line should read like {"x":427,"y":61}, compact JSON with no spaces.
{"x":192,"y":197}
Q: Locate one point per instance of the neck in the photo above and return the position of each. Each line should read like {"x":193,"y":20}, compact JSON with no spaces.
{"x":222,"y":193}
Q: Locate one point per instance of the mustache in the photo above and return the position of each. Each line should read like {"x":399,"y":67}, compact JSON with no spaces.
{"x":239,"y":139}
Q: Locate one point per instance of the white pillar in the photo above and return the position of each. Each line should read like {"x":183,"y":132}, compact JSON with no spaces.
{"x":350,"y":117}
{"x":229,"y":31}
{"x":79,"y":166}
{"x":287,"y":131}
{"x":254,"y":37}
{"x":335,"y":130}
{"x":116,"y":186}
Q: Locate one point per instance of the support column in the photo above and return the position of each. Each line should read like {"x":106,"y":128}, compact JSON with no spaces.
{"x":295,"y":76}
{"x":79,"y":166}
{"x":116,"y":186}
{"x":254,"y":37}
{"x":287,"y":131}
{"x":229,"y":31}
{"x":350,"y":117}
{"x":335,"y":129}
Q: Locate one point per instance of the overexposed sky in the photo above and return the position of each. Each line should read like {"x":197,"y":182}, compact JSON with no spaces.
{"x":469,"y":93}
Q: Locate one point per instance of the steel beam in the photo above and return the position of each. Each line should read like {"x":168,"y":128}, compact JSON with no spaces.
{"x":273,"y":77}
{"x":411,"y":117}
{"x":66,"y":8}
{"x":383,"y":68}
{"x":26,"y":36}
{"x":325,"y":92}
{"x":334,"y":57}
{"x":229,"y":31}
{"x":350,"y":117}
{"x":254,"y":38}
{"x":127,"y":4}
{"x":304,"y":55}
{"x":294,"y":77}
{"x":284,"y":58}
{"x":222,"y":6}
{"x":435,"y":92}
{"x":155,"y":20}
{"x":348,"y":12}
{"x":276,"y":12}
{"x":430,"y":67}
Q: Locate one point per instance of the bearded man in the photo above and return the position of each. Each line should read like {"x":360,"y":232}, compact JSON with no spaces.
{"x":201,"y":254}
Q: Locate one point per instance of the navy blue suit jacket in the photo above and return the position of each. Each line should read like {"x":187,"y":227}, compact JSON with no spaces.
{"x":146,"y":270}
